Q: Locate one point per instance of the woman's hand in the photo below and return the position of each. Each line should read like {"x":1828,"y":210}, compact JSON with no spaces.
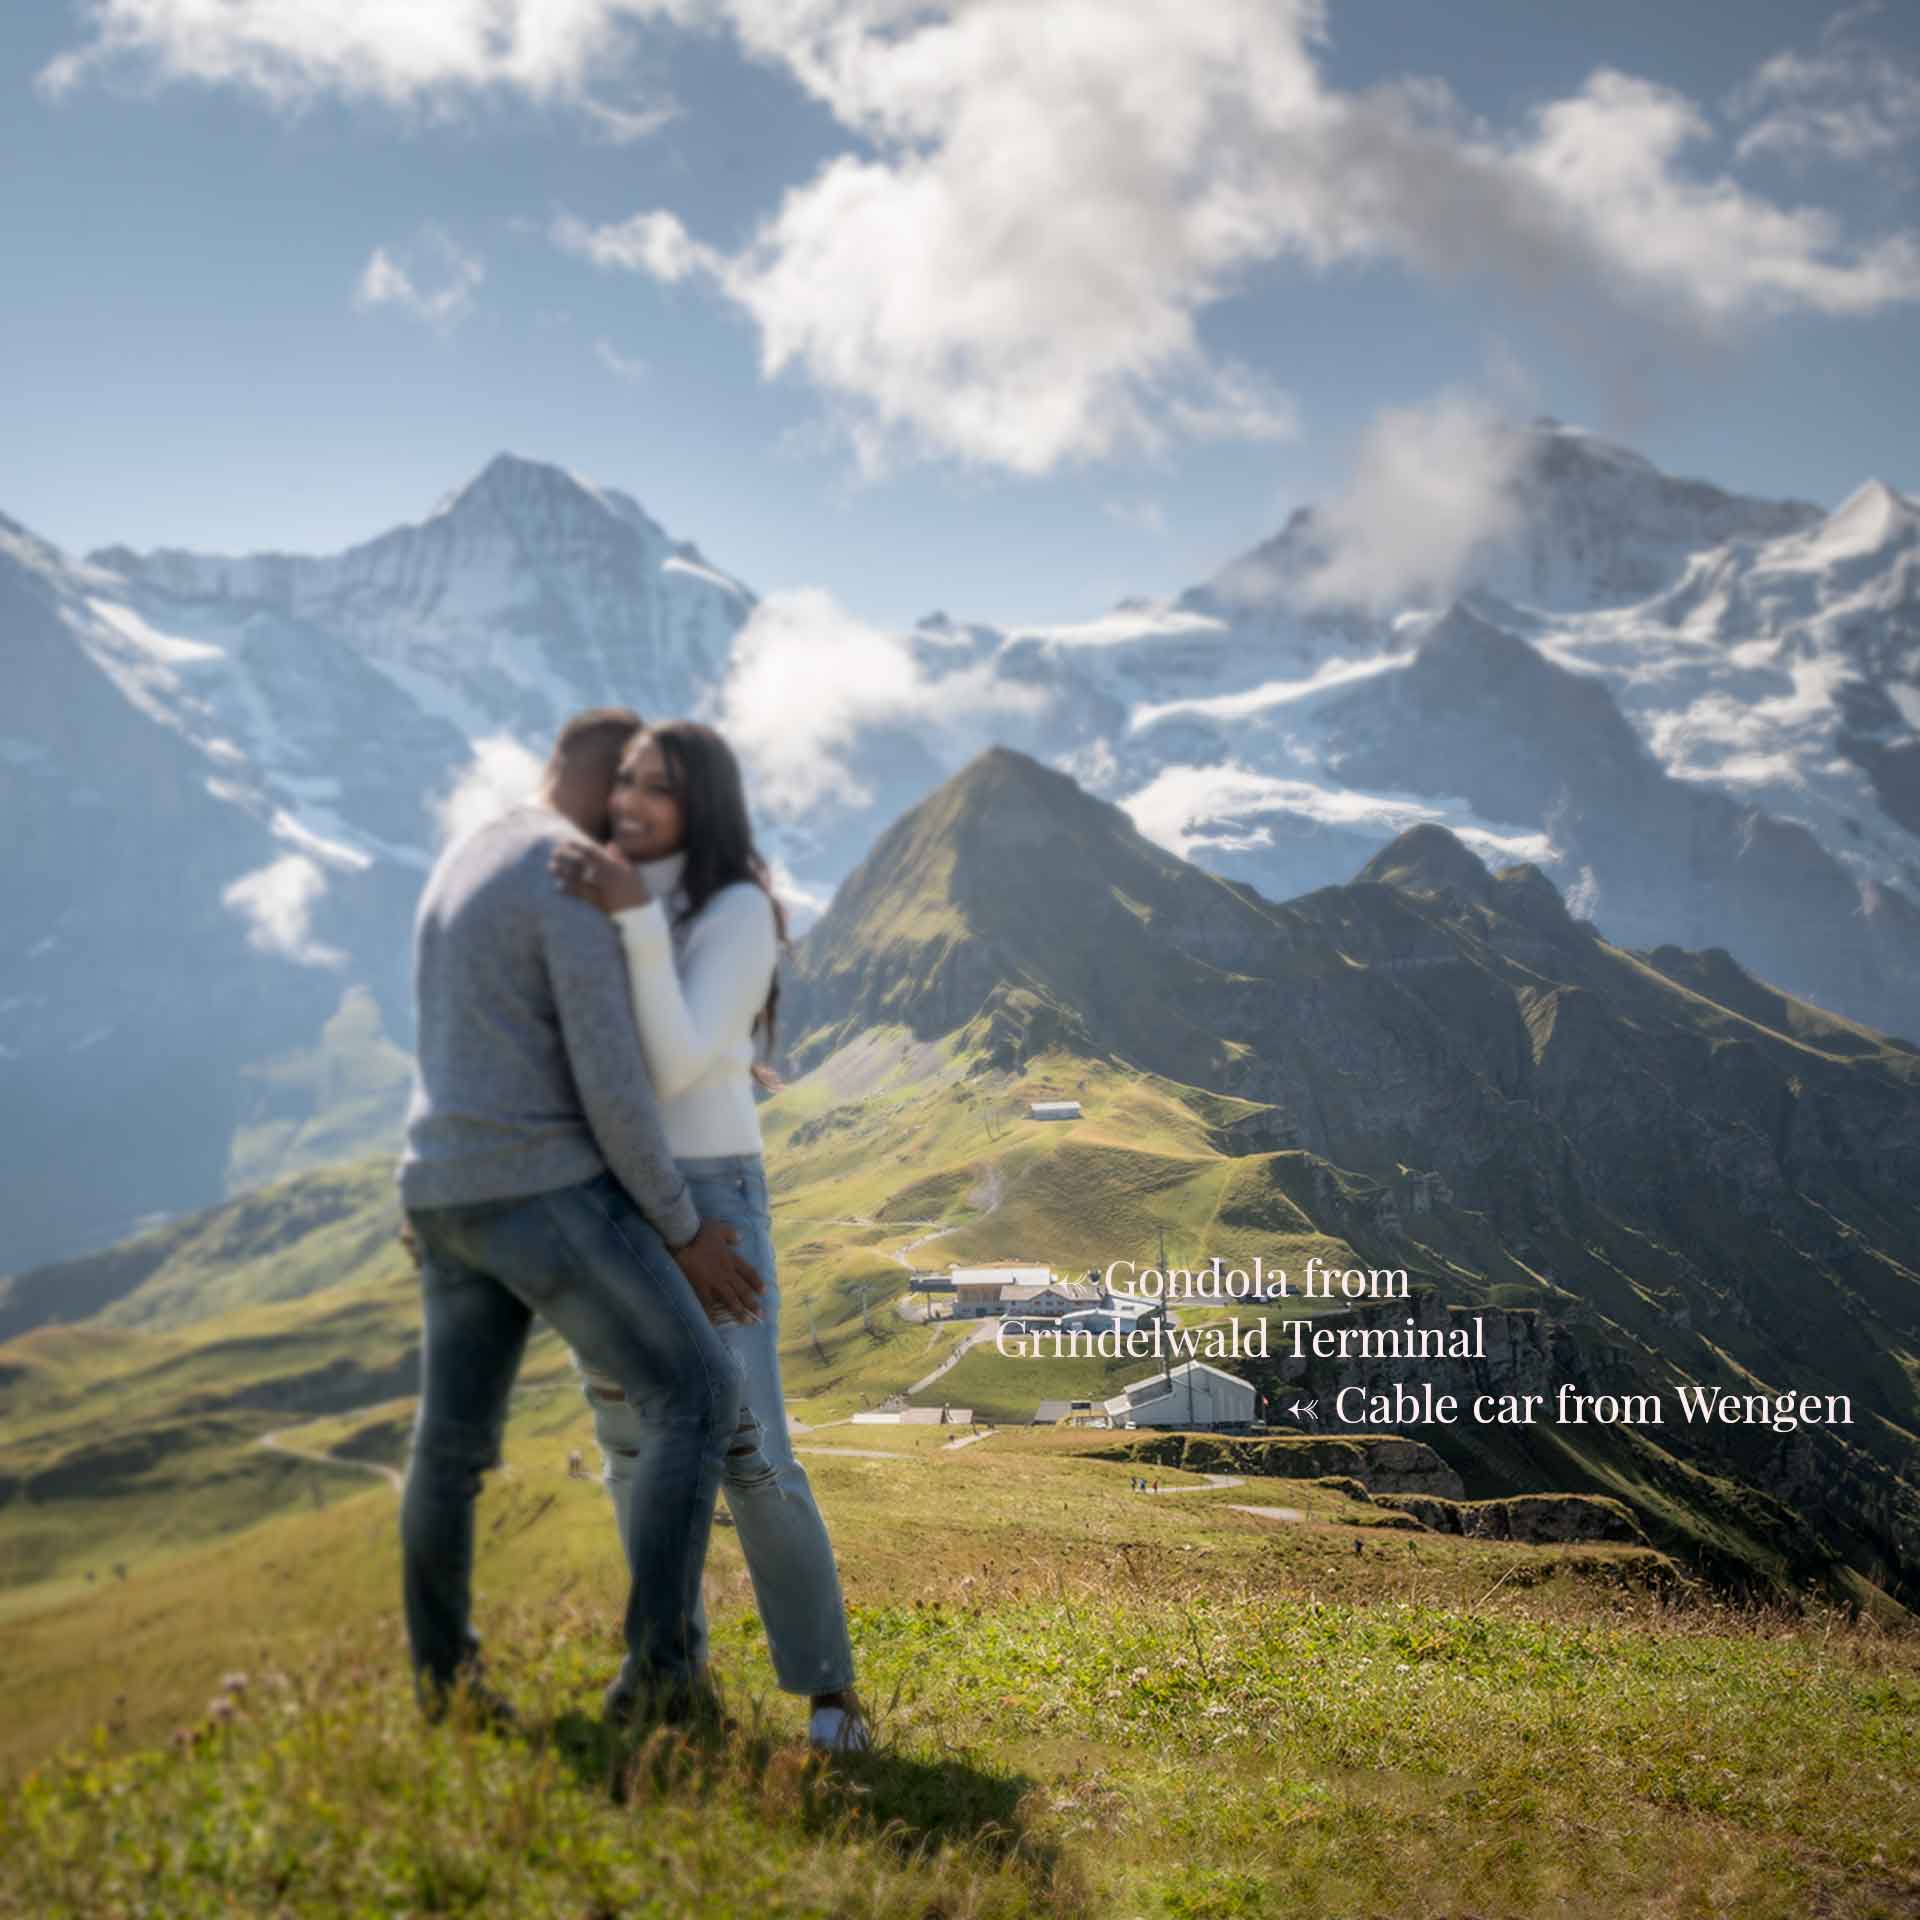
{"x":597,"y":875}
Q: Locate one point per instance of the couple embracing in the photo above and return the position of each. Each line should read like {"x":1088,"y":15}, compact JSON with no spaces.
{"x":590,"y":974}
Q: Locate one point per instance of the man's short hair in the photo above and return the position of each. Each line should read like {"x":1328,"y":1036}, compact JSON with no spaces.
{"x":593,"y":741}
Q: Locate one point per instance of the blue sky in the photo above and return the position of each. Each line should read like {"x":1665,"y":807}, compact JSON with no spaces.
{"x":1071,"y":309}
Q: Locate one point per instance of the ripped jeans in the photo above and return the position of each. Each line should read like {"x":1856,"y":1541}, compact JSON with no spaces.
{"x":789,"y":1557}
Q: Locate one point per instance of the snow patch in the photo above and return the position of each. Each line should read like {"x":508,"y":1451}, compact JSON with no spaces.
{"x":1122,"y":625}
{"x":694,"y":571}
{"x":1221,"y":808}
{"x":1273,"y":693}
{"x":168,"y":649}
{"x":335,"y":853}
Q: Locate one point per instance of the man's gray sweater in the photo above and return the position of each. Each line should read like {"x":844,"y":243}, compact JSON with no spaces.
{"x":529,"y":1073}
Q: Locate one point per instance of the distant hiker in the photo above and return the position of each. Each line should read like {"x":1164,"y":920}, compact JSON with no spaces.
{"x":537,"y":1179}
{"x":702,"y":931}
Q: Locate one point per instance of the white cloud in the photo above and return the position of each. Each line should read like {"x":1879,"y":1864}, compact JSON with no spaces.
{"x":401,"y":52}
{"x":652,"y":243}
{"x":1016,"y":277}
{"x":1428,"y":489}
{"x":1015,"y":268}
{"x":804,"y":904}
{"x":501,"y":774}
{"x":385,"y":282}
{"x":1703,"y":252}
{"x":622,"y":366}
{"x":1583,"y":897}
{"x":806,"y":678}
{"x":1852,"y":101}
{"x":277,"y":902}
{"x":622,"y":126}
{"x":1038,"y":206}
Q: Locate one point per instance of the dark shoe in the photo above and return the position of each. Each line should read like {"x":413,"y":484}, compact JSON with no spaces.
{"x":466,"y":1699}
{"x":696,"y":1709}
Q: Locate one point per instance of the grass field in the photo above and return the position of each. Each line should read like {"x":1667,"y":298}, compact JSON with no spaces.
{"x":1091,"y":1701}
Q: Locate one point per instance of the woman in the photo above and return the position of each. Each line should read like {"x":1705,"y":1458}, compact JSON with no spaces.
{"x":703,"y":981}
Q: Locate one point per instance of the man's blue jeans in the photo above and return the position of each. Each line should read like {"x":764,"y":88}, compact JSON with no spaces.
{"x":586,"y":1261}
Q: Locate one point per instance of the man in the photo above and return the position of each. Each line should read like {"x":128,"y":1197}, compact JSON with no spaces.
{"x":536,"y":1180}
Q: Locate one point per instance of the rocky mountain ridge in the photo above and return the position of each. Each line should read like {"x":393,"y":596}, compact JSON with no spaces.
{"x":227,"y":774}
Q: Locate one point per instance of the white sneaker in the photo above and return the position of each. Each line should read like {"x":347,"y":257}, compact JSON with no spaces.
{"x":835,"y":1730}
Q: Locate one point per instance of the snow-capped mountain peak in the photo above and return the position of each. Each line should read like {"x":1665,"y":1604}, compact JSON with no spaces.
{"x":524,"y":493}
{"x":1871,"y":523}
{"x":1588,"y":524}
{"x":529,"y":592}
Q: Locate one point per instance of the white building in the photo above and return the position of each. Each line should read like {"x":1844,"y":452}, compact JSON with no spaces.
{"x":978,"y":1291}
{"x":1054,"y":1110}
{"x":1049,"y":1298}
{"x":1114,"y":1315}
{"x":1193,"y":1395}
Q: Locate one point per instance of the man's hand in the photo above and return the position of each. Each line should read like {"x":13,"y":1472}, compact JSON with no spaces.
{"x":725,"y":1285}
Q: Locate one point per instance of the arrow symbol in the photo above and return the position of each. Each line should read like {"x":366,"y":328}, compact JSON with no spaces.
{"x":1308,"y":1409}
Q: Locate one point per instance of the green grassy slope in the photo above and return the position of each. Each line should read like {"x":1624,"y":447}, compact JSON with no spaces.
{"x":1091,"y":1702}
{"x":140,"y":1431}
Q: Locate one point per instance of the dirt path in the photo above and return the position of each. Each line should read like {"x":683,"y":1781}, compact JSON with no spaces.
{"x":391,"y":1475}
{"x":859,"y":1453}
{"x":1213,"y":1480}
{"x":1268,"y":1513}
{"x":991,"y":1189}
{"x":984,"y":1331}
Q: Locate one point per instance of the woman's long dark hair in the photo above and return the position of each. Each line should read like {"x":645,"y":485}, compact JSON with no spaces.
{"x":705,"y":777}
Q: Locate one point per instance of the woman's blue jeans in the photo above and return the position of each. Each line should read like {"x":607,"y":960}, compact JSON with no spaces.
{"x":789,"y":1557}
{"x":586,"y":1261}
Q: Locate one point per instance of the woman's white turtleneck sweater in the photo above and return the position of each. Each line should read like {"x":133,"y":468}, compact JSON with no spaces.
{"x":696,"y":992}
